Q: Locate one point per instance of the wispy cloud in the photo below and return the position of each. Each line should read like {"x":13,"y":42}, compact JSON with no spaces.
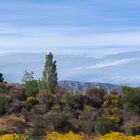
{"x":100,"y":65}
{"x":60,"y":38}
{"x":56,"y":25}
{"x":63,"y":39}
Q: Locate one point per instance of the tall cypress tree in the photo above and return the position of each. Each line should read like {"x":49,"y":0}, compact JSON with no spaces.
{"x":50,"y":74}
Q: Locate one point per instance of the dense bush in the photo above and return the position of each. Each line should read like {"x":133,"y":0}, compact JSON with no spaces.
{"x":74,"y":102}
{"x":46,"y":100}
{"x":4,"y":104}
{"x":58,"y":121}
{"x":87,"y":120}
{"x":131,"y":98}
{"x":92,"y":113}
{"x":37,"y":125}
{"x":31,"y":88}
{"x":131,"y":124}
{"x":97,"y":95}
{"x":105,"y":125}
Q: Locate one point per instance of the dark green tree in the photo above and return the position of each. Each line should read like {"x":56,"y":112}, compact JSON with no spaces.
{"x":1,"y":78}
{"x":50,"y":74}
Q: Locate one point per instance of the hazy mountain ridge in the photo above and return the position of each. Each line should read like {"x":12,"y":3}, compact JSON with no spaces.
{"x":82,"y":86}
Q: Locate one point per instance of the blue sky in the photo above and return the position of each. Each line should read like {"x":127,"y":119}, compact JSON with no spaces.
{"x":95,"y":27}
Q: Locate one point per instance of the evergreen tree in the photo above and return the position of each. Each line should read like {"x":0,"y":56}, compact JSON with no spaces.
{"x":1,"y":78}
{"x":50,"y":74}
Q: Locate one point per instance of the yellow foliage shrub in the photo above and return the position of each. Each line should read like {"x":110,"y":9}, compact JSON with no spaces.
{"x":13,"y":136}
{"x":114,"y":110}
{"x":118,"y":136}
{"x":114,"y":119}
{"x":31,"y":99}
{"x":87,"y":107}
{"x":116,"y":97}
{"x":106,"y":103}
{"x":115,"y":102}
{"x":68,"y":136}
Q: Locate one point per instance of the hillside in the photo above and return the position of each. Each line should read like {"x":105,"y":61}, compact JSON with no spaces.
{"x":54,"y":114}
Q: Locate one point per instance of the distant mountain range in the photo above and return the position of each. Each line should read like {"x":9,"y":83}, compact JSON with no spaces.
{"x":80,"y":87}
{"x":121,"y":68}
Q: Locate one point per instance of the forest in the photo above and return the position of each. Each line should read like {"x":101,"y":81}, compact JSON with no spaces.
{"x":40,"y":109}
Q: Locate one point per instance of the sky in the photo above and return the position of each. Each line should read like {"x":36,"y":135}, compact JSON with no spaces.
{"x":84,"y":27}
{"x":107,"y":30}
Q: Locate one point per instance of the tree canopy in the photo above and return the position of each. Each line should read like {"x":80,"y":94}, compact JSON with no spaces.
{"x":50,"y":74}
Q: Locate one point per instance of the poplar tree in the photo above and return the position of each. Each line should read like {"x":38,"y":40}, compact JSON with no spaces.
{"x":50,"y":74}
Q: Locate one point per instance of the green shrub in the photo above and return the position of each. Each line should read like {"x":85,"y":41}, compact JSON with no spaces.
{"x":4,"y":104}
{"x":86,"y":120}
{"x":31,"y":88}
{"x":46,"y":100}
{"x":57,"y":121}
{"x":74,"y":102}
{"x":131,"y":97}
{"x":15,"y":106}
{"x":104,"y":126}
{"x":97,"y":95}
{"x":37,"y":125}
